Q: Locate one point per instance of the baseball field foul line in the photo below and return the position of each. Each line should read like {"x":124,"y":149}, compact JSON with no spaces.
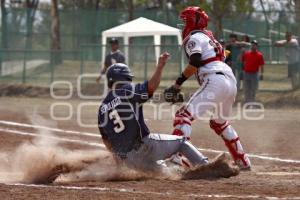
{"x":51,"y":137}
{"x":49,"y":128}
{"x":256,"y":156}
{"x":96,"y":144}
{"x":9,"y":131}
{"x":124,"y":190}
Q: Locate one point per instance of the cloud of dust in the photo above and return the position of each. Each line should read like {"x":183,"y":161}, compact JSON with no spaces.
{"x":42,"y":159}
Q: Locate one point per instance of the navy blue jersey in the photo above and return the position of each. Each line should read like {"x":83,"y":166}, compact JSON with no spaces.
{"x":114,"y":57}
{"x":120,"y":117}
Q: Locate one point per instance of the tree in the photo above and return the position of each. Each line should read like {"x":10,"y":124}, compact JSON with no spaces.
{"x":31,"y":7}
{"x":4,"y":43}
{"x":83,"y":4}
{"x":55,"y":34}
{"x":86,"y":14}
{"x":130,"y":10}
{"x":297,"y":9}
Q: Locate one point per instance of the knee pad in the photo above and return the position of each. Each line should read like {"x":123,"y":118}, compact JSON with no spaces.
{"x":184,"y":130}
{"x":218,"y":128}
{"x":232,"y":142}
{"x":182,"y":123}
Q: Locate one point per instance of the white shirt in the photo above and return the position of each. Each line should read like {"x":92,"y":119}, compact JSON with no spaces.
{"x":292,"y":51}
{"x":201,"y":43}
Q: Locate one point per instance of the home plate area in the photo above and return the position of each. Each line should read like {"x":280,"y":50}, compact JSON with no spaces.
{"x":32,"y":148}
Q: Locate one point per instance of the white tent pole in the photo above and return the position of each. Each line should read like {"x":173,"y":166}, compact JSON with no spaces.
{"x":157,"y":46}
{"x":179,"y":39}
{"x":126,"y":49}
{"x":103,"y":49}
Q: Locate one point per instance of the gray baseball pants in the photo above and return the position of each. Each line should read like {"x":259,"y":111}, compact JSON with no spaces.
{"x":160,"y":147}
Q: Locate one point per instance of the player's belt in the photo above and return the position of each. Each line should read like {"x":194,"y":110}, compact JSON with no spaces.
{"x":220,"y":73}
{"x":201,"y":77}
{"x":205,"y":74}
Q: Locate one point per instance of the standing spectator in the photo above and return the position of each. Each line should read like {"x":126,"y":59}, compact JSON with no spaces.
{"x":240,"y":63}
{"x":226,"y":52}
{"x":234,"y":46}
{"x":292,"y":53}
{"x":231,"y":46}
{"x":115,"y":56}
{"x":253,"y":61}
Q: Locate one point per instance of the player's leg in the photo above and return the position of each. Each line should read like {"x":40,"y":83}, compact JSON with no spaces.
{"x":203,"y":100}
{"x":217,"y":93}
{"x":192,"y":153}
{"x":251,"y":87}
{"x":222,"y":127}
{"x":255,"y":87}
{"x":295,"y":75}
{"x":290,"y":70}
{"x":247,"y":88}
{"x":164,"y":146}
{"x":160,"y":147}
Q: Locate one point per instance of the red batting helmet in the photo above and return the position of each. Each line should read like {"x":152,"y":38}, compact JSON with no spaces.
{"x":194,"y":19}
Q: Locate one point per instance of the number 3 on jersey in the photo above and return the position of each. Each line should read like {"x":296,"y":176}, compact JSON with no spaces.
{"x":119,"y":125}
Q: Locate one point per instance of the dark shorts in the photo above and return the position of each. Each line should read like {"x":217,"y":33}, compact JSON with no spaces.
{"x":293,"y":68}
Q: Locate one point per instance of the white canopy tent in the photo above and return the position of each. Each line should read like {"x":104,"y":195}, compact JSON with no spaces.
{"x":138,"y":28}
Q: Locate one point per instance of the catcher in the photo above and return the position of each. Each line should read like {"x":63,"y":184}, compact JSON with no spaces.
{"x":217,"y":84}
{"x":121,"y":122}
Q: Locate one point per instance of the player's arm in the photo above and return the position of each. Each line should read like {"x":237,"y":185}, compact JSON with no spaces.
{"x":107,"y":144}
{"x":262,"y":68}
{"x":261,"y":76}
{"x":280,"y":43}
{"x":122,"y":58}
{"x":105,"y":139}
{"x":193,"y":50}
{"x":154,"y":81}
{"x":172,"y":94}
{"x":242,"y":44}
{"x":142,"y":92}
{"x":102,"y":72}
{"x":103,"y":69}
{"x":106,"y":65}
{"x":190,"y":69}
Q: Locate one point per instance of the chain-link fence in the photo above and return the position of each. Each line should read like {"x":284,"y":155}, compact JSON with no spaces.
{"x":79,"y":26}
{"x":25,"y":55}
{"x":36,"y":68}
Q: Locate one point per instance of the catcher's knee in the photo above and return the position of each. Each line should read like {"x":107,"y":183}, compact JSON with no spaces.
{"x":182,"y":123}
{"x":218,"y":127}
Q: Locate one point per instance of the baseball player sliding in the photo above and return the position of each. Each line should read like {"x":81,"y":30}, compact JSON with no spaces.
{"x":217,"y":84}
{"x":121,"y":122}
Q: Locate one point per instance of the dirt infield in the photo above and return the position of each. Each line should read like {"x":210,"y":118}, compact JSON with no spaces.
{"x":272,"y":141}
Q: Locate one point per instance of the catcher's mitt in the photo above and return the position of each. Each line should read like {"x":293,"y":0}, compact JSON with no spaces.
{"x":173,"y":95}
